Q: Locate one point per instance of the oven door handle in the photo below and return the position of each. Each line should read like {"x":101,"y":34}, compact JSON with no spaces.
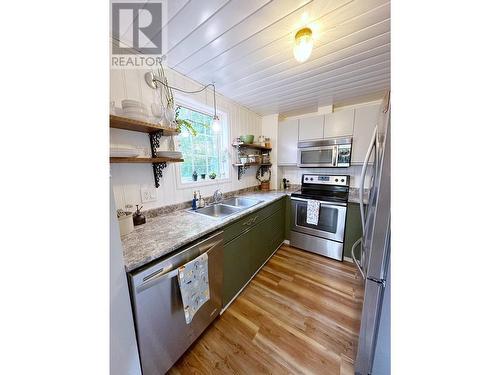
{"x":322,"y":202}
{"x":360,"y":241}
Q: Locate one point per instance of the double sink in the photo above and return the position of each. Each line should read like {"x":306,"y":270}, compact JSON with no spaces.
{"x":227,"y":207}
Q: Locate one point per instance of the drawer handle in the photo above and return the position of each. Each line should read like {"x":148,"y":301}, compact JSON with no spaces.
{"x":251,"y":221}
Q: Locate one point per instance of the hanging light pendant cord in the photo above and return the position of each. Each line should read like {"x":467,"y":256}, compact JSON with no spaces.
{"x":190,"y":92}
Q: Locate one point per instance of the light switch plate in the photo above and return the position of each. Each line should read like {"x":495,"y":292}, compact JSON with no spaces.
{"x":148,"y":194}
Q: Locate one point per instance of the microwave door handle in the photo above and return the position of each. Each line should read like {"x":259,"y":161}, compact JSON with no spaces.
{"x":334,"y":155}
{"x":363,"y":175}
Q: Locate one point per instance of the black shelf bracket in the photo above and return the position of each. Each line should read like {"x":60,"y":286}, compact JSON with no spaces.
{"x":154,"y":140}
{"x":158,"y":172}
{"x":241,"y":170}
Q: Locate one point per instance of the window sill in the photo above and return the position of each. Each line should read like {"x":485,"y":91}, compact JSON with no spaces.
{"x":199,"y":183}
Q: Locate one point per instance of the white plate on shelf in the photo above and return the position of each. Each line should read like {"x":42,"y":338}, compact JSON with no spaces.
{"x":121,"y":146}
{"x":169,"y":154}
{"x":136,"y":116}
{"x":128,"y":103}
{"x":124,"y":153}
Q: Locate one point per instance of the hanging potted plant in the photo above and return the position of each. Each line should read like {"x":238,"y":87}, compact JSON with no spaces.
{"x":264,"y":177}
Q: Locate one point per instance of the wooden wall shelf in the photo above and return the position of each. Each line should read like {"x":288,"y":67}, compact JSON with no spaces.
{"x":118,"y":122}
{"x":251,"y":164}
{"x":242,"y":167}
{"x":144,"y":160}
{"x":251,"y":145}
{"x":155,"y":132}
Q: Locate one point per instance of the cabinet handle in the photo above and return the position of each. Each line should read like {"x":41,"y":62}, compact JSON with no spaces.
{"x":251,"y":221}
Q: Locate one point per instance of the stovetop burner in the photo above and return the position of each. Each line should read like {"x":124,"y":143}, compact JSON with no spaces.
{"x":329,"y":188}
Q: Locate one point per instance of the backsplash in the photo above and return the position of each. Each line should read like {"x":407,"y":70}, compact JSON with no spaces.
{"x":128,"y":179}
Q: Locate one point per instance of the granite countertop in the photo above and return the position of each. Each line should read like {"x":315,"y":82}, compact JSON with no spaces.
{"x":354,"y":195}
{"x":165,"y":234}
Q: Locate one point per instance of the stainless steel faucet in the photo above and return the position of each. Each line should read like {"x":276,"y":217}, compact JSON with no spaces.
{"x":217,"y":196}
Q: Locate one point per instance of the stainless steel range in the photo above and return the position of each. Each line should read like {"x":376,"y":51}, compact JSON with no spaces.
{"x":327,"y":237}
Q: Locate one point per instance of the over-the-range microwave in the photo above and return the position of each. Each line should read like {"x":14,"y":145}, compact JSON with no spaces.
{"x":325,"y":153}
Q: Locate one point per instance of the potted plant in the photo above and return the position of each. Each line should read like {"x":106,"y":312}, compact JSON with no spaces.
{"x":264,"y":176}
{"x":212,"y":175}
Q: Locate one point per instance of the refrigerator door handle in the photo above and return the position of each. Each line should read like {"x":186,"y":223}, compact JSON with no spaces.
{"x":354,"y":257}
{"x":363,"y":175}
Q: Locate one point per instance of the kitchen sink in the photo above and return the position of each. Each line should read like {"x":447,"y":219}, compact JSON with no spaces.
{"x":241,"y":202}
{"x":218,"y":210}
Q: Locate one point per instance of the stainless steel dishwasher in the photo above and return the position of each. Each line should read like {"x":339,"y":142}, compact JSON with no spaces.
{"x":162,"y":333}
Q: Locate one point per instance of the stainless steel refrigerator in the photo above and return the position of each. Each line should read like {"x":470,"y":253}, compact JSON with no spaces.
{"x":373,"y":259}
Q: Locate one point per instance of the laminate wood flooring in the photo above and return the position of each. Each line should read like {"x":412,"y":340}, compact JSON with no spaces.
{"x":299,"y":315}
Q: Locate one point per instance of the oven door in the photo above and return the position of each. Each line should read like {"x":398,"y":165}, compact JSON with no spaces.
{"x":331,"y":223}
{"x":322,"y":156}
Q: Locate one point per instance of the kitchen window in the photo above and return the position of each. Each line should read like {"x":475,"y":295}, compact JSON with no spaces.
{"x":206,"y":152}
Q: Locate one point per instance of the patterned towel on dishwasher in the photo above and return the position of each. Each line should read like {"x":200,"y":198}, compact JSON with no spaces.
{"x":312,"y":212}
{"x":193,"y":283}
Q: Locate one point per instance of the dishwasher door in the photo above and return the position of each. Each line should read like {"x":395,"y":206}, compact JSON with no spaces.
{"x":161,"y":328}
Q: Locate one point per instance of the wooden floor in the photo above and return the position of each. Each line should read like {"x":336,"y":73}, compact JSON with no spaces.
{"x":300,"y":315}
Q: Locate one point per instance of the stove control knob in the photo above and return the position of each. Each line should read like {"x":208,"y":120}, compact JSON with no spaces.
{"x":336,"y":180}
{"x":307,"y":179}
{"x":342,"y":180}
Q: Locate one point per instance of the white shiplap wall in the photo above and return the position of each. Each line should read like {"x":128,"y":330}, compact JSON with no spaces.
{"x":127,"y":179}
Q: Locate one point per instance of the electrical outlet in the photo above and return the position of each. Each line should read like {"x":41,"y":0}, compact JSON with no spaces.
{"x":148,"y":195}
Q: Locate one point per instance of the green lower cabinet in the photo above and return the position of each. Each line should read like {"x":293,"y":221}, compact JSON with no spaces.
{"x":353,"y":229}
{"x":266,"y":237}
{"x":237,"y":270}
{"x":246,"y":253}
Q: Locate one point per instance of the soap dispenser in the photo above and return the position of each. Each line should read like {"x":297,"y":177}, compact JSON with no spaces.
{"x":193,"y":202}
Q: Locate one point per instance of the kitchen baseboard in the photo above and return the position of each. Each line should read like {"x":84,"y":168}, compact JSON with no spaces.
{"x":256,"y":272}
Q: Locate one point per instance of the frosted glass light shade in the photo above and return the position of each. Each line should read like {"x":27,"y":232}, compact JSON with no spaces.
{"x":216,"y":125}
{"x":303,"y":44}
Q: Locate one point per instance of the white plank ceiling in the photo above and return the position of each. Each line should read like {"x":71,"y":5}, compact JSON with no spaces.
{"x":245,"y":47}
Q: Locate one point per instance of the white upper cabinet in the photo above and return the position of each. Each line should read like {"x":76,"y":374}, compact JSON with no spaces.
{"x":311,"y":128}
{"x":365,"y":119}
{"x":288,"y":134}
{"x":339,"y":123}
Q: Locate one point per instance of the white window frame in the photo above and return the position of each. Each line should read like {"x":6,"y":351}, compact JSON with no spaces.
{"x":194,"y":105}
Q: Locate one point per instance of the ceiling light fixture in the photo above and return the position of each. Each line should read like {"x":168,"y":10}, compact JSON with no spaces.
{"x":303,"y":44}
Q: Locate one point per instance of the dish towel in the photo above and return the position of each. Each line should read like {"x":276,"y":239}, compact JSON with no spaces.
{"x":193,"y":283}
{"x":312,"y":212}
